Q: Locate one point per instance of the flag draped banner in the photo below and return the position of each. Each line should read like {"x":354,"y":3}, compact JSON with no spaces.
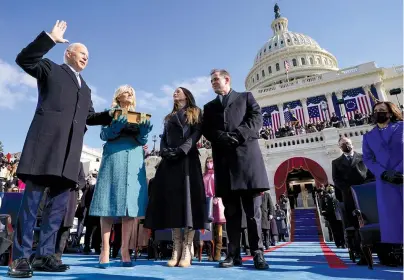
{"x":314,"y":109}
{"x":355,"y":99}
{"x":271,"y":116}
{"x":293,"y":111}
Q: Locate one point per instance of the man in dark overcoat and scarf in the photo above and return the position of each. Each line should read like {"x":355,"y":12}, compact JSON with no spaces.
{"x":52,"y":148}
{"x":232,"y":122}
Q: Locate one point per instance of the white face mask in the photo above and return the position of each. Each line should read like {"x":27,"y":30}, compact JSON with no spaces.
{"x":93,"y":181}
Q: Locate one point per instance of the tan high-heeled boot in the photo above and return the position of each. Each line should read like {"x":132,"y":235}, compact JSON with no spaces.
{"x":177,"y":248}
{"x":218,"y":242}
{"x":187,"y":248}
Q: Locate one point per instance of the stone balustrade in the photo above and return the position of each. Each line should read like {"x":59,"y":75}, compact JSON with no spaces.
{"x":314,"y":140}
{"x":354,"y":131}
{"x":303,"y":141}
{"x":330,"y":76}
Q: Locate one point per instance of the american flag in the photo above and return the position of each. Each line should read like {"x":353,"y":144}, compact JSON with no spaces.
{"x":271,"y":117}
{"x":293,"y":110}
{"x":355,"y":99}
{"x":287,"y":65}
{"x":314,"y":108}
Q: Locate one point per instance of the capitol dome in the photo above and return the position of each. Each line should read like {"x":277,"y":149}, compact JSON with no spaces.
{"x":299,"y":52}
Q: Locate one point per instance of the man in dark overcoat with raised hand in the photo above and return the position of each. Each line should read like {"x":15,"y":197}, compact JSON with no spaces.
{"x":52,"y":148}
{"x":232,"y":122}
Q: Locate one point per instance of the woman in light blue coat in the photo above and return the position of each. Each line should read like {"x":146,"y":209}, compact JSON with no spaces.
{"x":121,"y":189}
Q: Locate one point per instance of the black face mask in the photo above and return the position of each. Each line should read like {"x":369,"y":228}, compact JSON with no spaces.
{"x":380,"y":117}
{"x":346,"y":149}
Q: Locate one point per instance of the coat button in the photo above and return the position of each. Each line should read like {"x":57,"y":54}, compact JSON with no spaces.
{"x":75,"y":121}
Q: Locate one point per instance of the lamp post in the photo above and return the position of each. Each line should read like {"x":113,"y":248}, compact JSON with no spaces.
{"x":154,"y":139}
{"x":324,"y":107}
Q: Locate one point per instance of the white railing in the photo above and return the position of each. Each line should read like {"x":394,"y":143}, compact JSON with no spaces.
{"x":324,"y":229}
{"x":330,"y":76}
{"x":348,"y":70}
{"x":354,"y":131}
{"x":315,"y":139}
{"x":399,"y":69}
{"x":294,"y":83}
{"x":293,"y":142}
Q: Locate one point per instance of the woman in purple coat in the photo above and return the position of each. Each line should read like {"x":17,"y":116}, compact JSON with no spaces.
{"x":383,"y":155}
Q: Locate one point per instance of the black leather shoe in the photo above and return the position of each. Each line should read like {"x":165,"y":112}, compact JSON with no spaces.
{"x":259,"y":261}
{"x":49,"y":264}
{"x":20,"y":268}
{"x":230,"y":262}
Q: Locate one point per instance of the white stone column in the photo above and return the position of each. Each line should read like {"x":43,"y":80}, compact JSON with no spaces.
{"x":305,"y":110}
{"x":280,"y":108}
{"x":366,"y":89}
{"x":342,"y":108}
{"x":380,"y":91}
{"x":330,"y":104}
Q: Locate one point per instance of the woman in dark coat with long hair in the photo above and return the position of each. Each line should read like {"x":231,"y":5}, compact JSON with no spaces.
{"x":177,"y":199}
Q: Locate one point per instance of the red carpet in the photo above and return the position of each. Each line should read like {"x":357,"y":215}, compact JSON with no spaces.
{"x":333,"y":260}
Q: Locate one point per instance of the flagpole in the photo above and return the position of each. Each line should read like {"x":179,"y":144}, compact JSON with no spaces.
{"x":287,"y":76}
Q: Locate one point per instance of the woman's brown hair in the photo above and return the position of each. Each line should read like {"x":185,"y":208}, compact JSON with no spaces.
{"x":393,"y":110}
{"x":192,"y":112}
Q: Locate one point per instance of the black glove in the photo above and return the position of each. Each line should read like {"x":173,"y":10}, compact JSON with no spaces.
{"x":228,"y":139}
{"x":398,"y":179}
{"x":172,"y":153}
{"x":165,"y":152}
{"x":393,"y":177}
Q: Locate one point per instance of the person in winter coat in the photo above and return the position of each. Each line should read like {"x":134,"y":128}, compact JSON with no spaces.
{"x":280,"y":218}
{"x":177,"y":199}
{"x":218,"y":209}
{"x":121,"y":189}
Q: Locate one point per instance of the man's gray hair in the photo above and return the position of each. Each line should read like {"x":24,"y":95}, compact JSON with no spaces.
{"x":70,"y":48}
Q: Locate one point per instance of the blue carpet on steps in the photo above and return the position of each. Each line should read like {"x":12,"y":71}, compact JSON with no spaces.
{"x":296,"y":261}
{"x":305,"y":225}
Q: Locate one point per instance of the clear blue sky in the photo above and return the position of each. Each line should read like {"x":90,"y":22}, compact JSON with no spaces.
{"x":156,"y":45}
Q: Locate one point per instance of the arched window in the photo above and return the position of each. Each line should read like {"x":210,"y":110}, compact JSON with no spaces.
{"x":294,"y":62}
{"x":311,"y":61}
{"x":277,"y":67}
{"x":263,"y":73}
{"x":318,"y":60}
{"x":258,"y":77}
{"x":303,"y":61}
{"x":269,"y":69}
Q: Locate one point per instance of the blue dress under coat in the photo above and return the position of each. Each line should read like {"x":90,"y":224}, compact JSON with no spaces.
{"x":121,"y":189}
{"x":383,"y":150}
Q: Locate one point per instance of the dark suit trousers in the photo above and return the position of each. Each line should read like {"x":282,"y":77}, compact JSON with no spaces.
{"x":52,"y":217}
{"x":61,"y":241}
{"x":251,"y":204}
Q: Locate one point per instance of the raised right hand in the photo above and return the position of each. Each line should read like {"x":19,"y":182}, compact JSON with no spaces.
{"x":58,"y":31}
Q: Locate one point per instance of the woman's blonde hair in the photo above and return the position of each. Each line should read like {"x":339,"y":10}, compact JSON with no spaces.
{"x":119,"y":91}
